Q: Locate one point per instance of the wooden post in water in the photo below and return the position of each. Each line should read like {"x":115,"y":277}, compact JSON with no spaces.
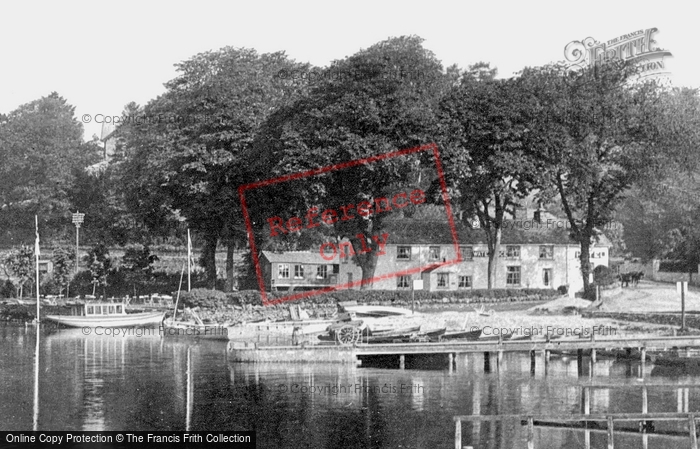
{"x":691,"y":431}
{"x":593,"y":356}
{"x":532,"y":363}
{"x":645,"y":401}
{"x":530,"y":433}
{"x":458,"y":434}
{"x":487,"y":362}
{"x":644,"y":360}
{"x":402,"y":361}
{"x":682,"y":284}
{"x":450,"y":361}
{"x":579,"y":361}
{"x":611,"y":440}
{"x":499,"y":360}
{"x":545,"y":359}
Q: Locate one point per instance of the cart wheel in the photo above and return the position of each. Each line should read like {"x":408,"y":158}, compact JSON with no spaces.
{"x":346,"y":335}
{"x":358,"y":334}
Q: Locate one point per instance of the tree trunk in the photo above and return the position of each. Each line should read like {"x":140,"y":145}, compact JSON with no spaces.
{"x":366,"y":260}
{"x":230,"y":271}
{"x":494,"y":252}
{"x":209,"y":259}
{"x":585,"y":260}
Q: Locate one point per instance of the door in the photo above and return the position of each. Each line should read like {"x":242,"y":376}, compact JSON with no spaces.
{"x":547,"y":277}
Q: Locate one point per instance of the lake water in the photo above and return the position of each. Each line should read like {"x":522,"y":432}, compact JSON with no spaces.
{"x":142,"y":383}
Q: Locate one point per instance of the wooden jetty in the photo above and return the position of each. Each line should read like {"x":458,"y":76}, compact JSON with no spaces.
{"x":600,"y":422}
{"x":608,"y":418}
{"x":305,"y":353}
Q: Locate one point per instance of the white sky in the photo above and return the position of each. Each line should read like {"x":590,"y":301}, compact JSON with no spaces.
{"x":100,"y":56}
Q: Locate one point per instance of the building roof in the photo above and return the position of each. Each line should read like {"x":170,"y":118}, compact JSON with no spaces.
{"x":310,"y":257}
{"x":515,"y":232}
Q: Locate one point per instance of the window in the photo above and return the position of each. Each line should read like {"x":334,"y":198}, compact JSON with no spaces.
{"x":298,"y":271}
{"x":465,"y":282}
{"x":322,"y":272}
{"x":403,"y":253}
{"x":547,"y":252}
{"x":283,"y":271}
{"x":467,"y":252}
{"x":119,"y":308}
{"x":443,"y":280}
{"x":403,"y":282}
{"x":434,"y":253}
{"x":513,"y":276}
{"x":336,"y":268}
{"x":90,"y":310}
{"x":513,"y":251}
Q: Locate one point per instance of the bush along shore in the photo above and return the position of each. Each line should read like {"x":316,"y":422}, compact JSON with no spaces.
{"x":244,"y":306}
{"x":692,"y":320}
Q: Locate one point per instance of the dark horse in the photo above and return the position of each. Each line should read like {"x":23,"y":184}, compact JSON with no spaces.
{"x":633,"y":276}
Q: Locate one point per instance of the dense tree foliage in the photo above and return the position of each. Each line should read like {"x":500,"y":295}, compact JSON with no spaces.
{"x":183,"y":150}
{"x":378,"y":101}
{"x":41,"y":146}
{"x":599,"y":134}
{"x":488,"y":166}
{"x":598,"y":145}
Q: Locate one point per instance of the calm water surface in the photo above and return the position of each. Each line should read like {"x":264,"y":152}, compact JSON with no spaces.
{"x":142,"y":383}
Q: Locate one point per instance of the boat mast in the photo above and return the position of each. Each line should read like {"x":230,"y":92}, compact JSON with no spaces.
{"x":179,"y":287}
{"x":36,"y":255}
{"x":189,"y":259}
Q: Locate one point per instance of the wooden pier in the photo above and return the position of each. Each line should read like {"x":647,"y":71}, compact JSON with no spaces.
{"x":608,"y":418}
{"x":492,"y":350}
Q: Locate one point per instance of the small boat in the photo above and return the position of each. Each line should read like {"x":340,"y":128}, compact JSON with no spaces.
{"x":463,"y":335}
{"x":195,"y":330}
{"x":373,"y":311}
{"x":496,"y":337}
{"x":107,"y":315}
{"x":357,"y":331}
{"x":483,"y":312}
{"x":433,"y":335}
{"x":404,"y":335}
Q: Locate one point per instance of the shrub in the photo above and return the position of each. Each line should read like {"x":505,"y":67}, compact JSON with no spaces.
{"x":210,"y":298}
{"x":603,"y":275}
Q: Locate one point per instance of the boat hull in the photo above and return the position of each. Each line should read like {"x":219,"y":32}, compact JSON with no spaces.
{"x":253,"y":330}
{"x":377,"y":311}
{"x":193,"y":330}
{"x":127,"y":320}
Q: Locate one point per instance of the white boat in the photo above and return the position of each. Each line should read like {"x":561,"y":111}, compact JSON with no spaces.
{"x":376,"y":311}
{"x":107,"y":315}
{"x":304,"y":327}
{"x":195,"y":330}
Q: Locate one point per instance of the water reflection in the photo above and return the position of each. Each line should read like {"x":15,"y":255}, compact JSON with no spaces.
{"x":149,"y":383}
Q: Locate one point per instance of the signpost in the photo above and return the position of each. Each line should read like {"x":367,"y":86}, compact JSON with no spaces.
{"x":682,"y":288}
{"x":77,"y":221}
{"x":417,"y":285}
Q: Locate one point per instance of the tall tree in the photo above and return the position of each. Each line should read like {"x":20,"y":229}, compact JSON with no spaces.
{"x":63,"y":264}
{"x":137,"y":261}
{"x":600,"y":133}
{"x":40,"y":146}
{"x":183,"y":149}
{"x":488,"y":167}
{"x":20,"y":264}
{"x":100,"y":264}
{"x":377,"y":101}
